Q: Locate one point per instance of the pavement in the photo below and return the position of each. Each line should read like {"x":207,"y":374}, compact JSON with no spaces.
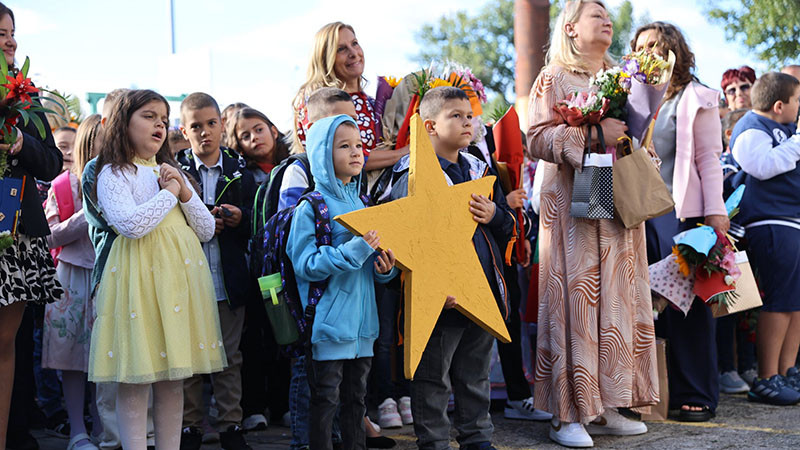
{"x":739,"y":424}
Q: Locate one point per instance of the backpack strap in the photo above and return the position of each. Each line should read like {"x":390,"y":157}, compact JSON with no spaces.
{"x":63,"y":193}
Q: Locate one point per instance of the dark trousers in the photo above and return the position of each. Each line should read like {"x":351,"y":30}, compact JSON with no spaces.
{"x":386,"y":383}
{"x":265,"y":373}
{"x":456,"y":359}
{"x":691,"y":340}
{"x":24,"y":391}
{"x":332,"y":383}
{"x":517,"y":387}
{"x":729,"y":332}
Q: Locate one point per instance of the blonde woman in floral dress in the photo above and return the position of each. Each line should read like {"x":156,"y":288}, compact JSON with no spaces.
{"x":596,"y":341}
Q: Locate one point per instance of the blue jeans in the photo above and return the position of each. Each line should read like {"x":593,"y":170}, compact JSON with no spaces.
{"x":299,"y":403}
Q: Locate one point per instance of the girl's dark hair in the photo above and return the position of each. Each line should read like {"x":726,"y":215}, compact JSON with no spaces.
{"x":117,"y":150}
{"x":671,"y":38}
{"x":6,"y":10}
{"x":279,"y":152}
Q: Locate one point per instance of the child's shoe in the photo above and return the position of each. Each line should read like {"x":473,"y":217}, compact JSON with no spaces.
{"x":614,"y":423}
{"x":570,"y":434}
{"x":732,"y":383}
{"x":524,"y":410}
{"x":774,"y":391}
{"x":255,"y":422}
{"x":793,"y":378}
{"x":749,"y":376}
{"x":191,"y":438}
{"x":233,"y":439}
{"x":405,"y":410}
{"x":389,"y":417}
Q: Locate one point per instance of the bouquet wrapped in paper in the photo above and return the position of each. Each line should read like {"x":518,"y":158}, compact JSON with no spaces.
{"x":705,"y":263}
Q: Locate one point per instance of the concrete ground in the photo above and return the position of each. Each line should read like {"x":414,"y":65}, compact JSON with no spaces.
{"x":739,"y":424}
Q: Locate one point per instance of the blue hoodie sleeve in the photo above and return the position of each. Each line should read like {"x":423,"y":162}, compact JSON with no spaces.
{"x":314,"y":263}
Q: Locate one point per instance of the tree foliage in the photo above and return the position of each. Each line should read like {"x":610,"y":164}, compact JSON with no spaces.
{"x":769,"y":28}
{"x":484,"y":41}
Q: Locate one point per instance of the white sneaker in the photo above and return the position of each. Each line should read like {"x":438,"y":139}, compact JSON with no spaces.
{"x":524,"y":410}
{"x":570,"y":434}
{"x":612,"y":422}
{"x":732,"y":383}
{"x":405,"y":410}
{"x":255,"y":422}
{"x":374,"y":425}
{"x":389,"y":417}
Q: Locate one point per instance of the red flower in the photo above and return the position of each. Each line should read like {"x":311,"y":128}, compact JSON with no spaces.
{"x":20,"y":87}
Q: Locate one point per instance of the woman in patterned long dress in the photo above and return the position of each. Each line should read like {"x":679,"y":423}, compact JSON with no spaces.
{"x":596,"y":342}
{"x":26,"y":268}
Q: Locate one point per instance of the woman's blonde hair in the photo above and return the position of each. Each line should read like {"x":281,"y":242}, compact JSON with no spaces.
{"x":320,"y":69}
{"x":563,"y":51}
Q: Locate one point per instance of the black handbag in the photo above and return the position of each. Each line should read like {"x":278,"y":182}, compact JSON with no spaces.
{"x":593,"y":186}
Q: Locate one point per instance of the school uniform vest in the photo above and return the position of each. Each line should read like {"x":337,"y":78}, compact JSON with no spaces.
{"x":778,"y":196}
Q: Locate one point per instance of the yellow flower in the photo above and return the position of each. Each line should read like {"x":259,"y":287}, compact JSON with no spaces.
{"x":438,"y":82}
{"x":681,"y":261}
{"x":392,"y":81}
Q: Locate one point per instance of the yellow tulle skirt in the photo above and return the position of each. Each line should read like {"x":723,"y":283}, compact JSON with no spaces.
{"x":156,"y":309}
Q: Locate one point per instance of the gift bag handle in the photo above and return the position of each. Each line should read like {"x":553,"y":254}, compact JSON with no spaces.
{"x":588,"y":146}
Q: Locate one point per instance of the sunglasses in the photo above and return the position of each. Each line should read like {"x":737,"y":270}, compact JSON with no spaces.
{"x":741,"y":88}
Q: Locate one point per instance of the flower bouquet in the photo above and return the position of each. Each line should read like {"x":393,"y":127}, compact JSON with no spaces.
{"x":451,"y":74}
{"x":386,"y":85}
{"x":705,"y":263}
{"x":635,"y":89}
{"x":19,"y":102}
{"x":584,"y":107}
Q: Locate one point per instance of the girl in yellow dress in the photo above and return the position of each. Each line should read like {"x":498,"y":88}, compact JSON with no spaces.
{"x":157,"y":321}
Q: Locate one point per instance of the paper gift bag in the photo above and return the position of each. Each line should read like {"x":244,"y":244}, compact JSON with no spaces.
{"x":748,"y":296}
{"x":639,"y":191}
{"x":593,"y":185}
{"x":661,"y":410}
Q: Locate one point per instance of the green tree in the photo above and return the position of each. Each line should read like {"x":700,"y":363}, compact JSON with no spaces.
{"x":485,"y":42}
{"x":769,"y":28}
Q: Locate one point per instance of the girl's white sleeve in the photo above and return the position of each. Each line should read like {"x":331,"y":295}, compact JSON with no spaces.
{"x":115,"y":196}
{"x":197,"y":215}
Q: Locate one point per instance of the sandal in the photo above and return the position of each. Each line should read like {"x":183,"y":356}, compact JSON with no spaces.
{"x":73,"y":443}
{"x":704,"y":415}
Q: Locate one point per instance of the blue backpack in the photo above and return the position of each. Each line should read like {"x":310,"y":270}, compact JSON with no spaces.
{"x":291,"y":324}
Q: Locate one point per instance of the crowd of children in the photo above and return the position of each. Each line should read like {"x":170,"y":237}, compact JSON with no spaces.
{"x":152,"y":286}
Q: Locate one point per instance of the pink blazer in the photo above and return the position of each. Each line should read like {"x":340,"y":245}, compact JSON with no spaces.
{"x":697,"y":178}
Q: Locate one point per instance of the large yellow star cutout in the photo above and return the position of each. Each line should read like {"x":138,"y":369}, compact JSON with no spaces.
{"x":430,"y":232}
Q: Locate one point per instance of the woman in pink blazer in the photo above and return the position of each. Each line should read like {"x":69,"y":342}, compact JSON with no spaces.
{"x":687,"y":139}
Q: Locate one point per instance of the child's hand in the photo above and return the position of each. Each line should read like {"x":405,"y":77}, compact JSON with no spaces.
{"x":385,"y":261}
{"x":526,"y":258}
{"x":219,"y":223}
{"x":233,"y":217}
{"x":450,"y":303}
{"x":372,"y":239}
{"x":482,"y":209}
{"x":16,"y":147}
{"x":171,"y":185}
{"x":516,"y":199}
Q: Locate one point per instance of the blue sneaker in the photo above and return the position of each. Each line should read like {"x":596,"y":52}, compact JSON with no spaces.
{"x":773,"y":390}
{"x":793,"y":378}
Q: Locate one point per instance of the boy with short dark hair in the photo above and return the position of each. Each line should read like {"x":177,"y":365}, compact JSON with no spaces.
{"x":765,"y":145}
{"x":458,"y":352}
{"x":227,"y":188}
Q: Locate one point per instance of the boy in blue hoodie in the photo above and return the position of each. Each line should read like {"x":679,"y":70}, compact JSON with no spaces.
{"x":766,"y":147}
{"x":458,"y":351}
{"x":346,"y":319}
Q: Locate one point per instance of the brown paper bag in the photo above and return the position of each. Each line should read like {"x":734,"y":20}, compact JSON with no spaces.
{"x":639,"y":191}
{"x":661,"y":410}
{"x":746,"y":288}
